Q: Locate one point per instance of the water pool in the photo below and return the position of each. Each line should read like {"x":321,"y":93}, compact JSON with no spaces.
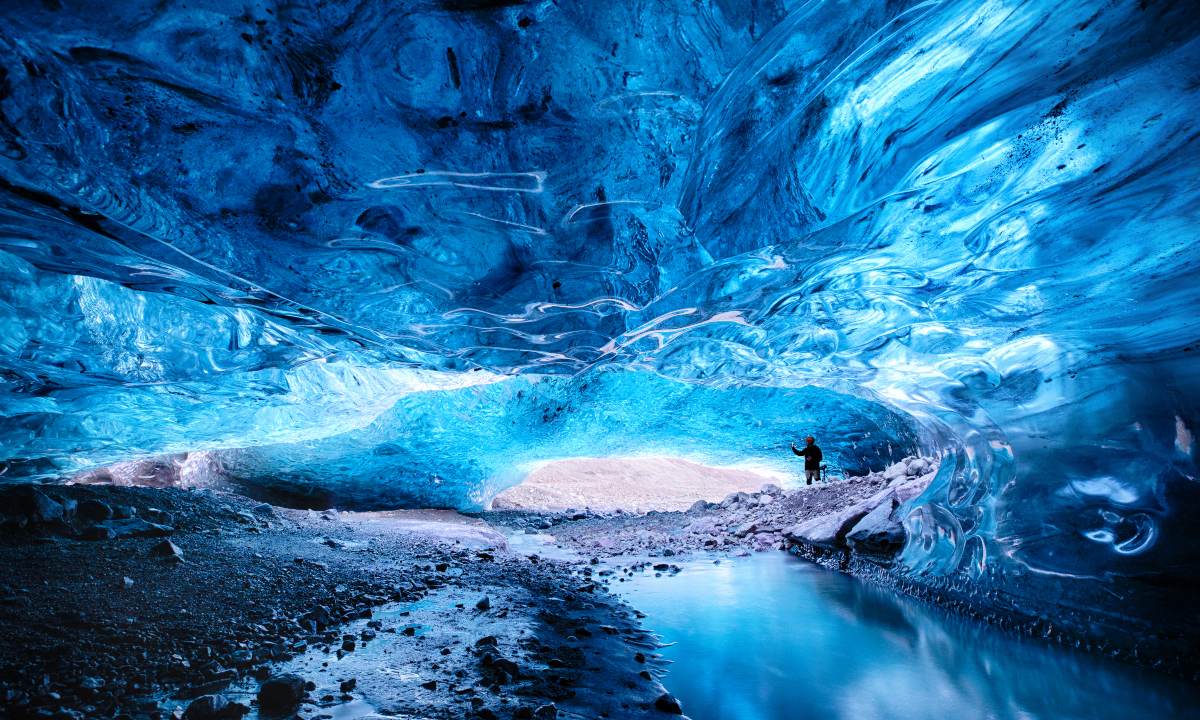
{"x":773,"y":637}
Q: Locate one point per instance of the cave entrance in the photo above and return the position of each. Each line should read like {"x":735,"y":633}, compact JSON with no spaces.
{"x":639,"y":483}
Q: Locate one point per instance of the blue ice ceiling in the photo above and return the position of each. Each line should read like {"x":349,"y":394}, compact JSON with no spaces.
{"x":376,"y":247}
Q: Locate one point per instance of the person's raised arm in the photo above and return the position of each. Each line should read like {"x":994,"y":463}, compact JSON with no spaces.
{"x":796,"y":451}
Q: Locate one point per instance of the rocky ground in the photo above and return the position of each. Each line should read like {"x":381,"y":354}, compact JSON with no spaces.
{"x":148,"y":603}
{"x":138,"y":602}
{"x":159,"y":602}
{"x":858,"y":513}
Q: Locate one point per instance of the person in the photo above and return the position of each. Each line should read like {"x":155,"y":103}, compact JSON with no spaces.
{"x":812,"y":459}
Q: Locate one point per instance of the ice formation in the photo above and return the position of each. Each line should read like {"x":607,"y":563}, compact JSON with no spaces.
{"x":394,"y":252}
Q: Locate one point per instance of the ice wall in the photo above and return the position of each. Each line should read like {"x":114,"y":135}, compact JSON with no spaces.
{"x":459,"y":448}
{"x":264,"y":226}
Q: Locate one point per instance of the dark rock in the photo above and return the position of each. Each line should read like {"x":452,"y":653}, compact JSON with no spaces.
{"x":214,"y":707}
{"x":546,"y":712}
{"x":167,"y":549}
{"x":484,"y":603}
{"x":159,"y":516}
{"x":130,"y":527}
{"x":34,"y":505}
{"x":281,"y":694}
{"x":879,"y":533}
{"x":93,"y":511}
{"x":668,"y":704}
{"x":123,"y":512}
{"x":97,"y":532}
{"x":348,"y":685}
{"x":430,"y":685}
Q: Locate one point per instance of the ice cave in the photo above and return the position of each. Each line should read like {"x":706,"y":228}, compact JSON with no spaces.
{"x":453,"y":358}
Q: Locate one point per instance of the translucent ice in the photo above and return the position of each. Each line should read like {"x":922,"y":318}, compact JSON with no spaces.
{"x":363,"y":251}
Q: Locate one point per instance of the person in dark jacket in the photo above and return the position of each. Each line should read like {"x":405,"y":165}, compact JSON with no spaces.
{"x":812,"y":459}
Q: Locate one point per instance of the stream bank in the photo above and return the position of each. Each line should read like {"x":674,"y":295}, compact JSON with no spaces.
{"x":154,"y":603}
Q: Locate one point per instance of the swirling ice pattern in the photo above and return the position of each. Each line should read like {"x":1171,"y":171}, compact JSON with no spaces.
{"x":263,"y":226}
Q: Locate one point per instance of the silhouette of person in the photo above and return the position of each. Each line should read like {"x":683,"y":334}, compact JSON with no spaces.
{"x":812,"y":459}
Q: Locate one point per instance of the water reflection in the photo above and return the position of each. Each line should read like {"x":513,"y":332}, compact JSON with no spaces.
{"x":773,"y":637}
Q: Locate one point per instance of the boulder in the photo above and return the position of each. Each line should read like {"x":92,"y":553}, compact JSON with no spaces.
{"x":93,"y":511}
{"x":911,"y":487}
{"x":918,"y":466}
{"x":667,"y":703}
{"x":829,"y":531}
{"x":898,"y":470}
{"x":214,"y":707}
{"x":281,"y":694}
{"x":35,"y":506}
{"x":879,"y":532}
{"x":130,"y":527}
{"x":167,"y":549}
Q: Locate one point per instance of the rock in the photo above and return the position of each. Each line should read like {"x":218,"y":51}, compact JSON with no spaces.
{"x":771,"y":489}
{"x":699,"y":506}
{"x":161,"y":517}
{"x":746,"y":529}
{"x":546,"y":712}
{"x":898,"y":470}
{"x":829,"y":531}
{"x":281,"y":694}
{"x":93,"y":511}
{"x":879,"y":533}
{"x":918,"y":466}
{"x":97,"y":532}
{"x":36,"y":506}
{"x":348,"y":685}
{"x":127,"y":583}
{"x":735,"y":499}
{"x":484,"y":603}
{"x":123,"y":512}
{"x":668,"y":704}
{"x":214,"y":707}
{"x":130,"y":527}
{"x":167,"y":549}
{"x":911,"y":487}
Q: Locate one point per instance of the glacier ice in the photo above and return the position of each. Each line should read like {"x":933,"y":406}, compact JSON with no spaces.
{"x":371,"y":251}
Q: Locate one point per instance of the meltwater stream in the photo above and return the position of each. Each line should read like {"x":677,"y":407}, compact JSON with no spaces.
{"x":773,"y":637}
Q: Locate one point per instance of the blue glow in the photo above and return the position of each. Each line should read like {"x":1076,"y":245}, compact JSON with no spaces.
{"x":321,"y":239}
